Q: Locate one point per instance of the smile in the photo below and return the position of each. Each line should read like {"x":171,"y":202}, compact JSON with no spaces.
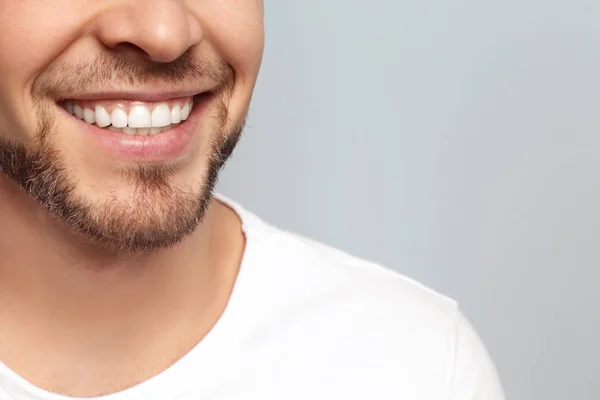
{"x":140,"y":130}
{"x":132,"y":117}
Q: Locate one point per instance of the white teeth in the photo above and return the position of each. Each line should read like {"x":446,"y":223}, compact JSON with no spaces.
{"x":185,"y":112}
{"x":139,"y":117}
{"x":89,"y":116}
{"x":140,"y":131}
{"x":118,"y":118}
{"x":139,"y":121}
{"x":78,"y":112}
{"x":161,"y":116}
{"x":102,"y":117}
{"x":176,"y":114}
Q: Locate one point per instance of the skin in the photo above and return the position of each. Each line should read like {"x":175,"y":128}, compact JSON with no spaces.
{"x":81,"y":316}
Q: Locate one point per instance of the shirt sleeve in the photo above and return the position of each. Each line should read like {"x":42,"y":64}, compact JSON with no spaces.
{"x":474,"y":376}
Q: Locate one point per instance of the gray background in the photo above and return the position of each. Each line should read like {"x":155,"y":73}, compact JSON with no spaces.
{"x":456,"y":142}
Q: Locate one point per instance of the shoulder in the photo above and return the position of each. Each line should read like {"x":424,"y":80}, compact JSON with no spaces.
{"x":380,"y":322}
{"x":358,"y":285}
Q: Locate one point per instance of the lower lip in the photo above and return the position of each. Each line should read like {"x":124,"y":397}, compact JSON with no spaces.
{"x":163,"y":146}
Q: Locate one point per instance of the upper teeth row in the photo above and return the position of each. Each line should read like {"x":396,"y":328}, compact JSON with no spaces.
{"x":139,"y":116}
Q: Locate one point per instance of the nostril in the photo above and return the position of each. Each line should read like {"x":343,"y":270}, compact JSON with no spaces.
{"x":129,"y":48}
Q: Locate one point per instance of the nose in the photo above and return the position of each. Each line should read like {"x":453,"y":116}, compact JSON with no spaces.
{"x":157,"y":30}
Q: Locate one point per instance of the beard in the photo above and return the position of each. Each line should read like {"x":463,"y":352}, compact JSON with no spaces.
{"x":158,"y":215}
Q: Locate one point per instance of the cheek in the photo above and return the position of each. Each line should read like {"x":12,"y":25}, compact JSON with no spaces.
{"x":36,"y":32}
{"x":235,"y":30}
{"x":32,"y":34}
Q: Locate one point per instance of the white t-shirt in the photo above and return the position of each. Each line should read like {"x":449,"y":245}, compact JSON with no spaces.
{"x":306,"y":321}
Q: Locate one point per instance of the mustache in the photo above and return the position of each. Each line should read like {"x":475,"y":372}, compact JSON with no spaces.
{"x":113,"y":71}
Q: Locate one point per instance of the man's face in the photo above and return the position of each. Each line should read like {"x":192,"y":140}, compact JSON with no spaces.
{"x":117,"y":115}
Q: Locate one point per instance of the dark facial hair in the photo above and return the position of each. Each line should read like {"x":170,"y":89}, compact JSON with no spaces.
{"x":162,"y":215}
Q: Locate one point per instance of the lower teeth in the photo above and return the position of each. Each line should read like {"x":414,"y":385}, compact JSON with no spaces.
{"x":141,"y":131}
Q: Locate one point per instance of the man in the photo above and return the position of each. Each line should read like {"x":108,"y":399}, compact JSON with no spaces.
{"x":123,"y":276}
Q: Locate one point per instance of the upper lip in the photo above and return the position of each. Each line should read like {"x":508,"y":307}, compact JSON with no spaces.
{"x":141,"y":95}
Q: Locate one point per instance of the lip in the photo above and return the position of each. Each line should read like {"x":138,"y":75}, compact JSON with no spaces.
{"x":149,"y":96}
{"x":164,"y":146}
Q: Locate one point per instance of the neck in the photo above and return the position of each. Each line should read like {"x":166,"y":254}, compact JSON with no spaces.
{"x":77,"y":310}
